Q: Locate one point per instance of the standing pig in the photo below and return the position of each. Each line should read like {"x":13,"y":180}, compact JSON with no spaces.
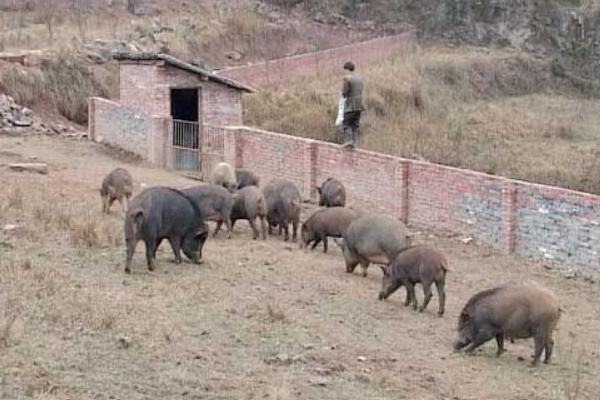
{"x":224,"y":175}
{"x":416,"y":264}
{"x":332,"y":193}
{"x":245,"y":177}
{"x":163,"y":213}
{"x":376,"y":238}
{"x":326,"y":222}
{"x":283,"y":206}
{"x":250,"y":204}
{"x":215,"y":204}
{"x":512,"y":311}
{"x":118,"y":185}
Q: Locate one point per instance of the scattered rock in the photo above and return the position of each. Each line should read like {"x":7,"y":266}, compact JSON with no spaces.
{"x":10,"y":227}
{"x":467,"y":240}
{"x":234,"y":55}
{"x":39,"y":168}
{"x":309,"y":346}
{"x":361,"y":358}
{"x":123,"y":342}
{"x":319,"y":381}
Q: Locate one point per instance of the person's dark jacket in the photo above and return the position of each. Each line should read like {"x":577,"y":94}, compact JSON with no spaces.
{"x":352,"y":93}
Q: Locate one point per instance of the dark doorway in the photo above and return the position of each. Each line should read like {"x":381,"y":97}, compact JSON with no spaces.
{"x":184,"y":104}
{"x":186,"y":130}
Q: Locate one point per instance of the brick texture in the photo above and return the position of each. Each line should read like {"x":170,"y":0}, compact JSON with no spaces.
{"x":321,"y":63}
{"x":534,"y":220}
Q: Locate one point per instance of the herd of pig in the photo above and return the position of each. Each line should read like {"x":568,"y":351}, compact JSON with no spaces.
{"x":180,"y":216}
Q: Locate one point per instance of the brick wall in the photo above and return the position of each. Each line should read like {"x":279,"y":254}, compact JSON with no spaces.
{"x":534,"y":220}
{"x":319,"y":63}
{"x":130,"y":129}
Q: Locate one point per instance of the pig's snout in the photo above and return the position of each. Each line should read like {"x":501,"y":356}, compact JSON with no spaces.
{"x":381,"y":296}
{"x":459,"y":344}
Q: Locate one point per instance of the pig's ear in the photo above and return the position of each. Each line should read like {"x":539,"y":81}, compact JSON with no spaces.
{"x":385,"y":270}
{"x":202,"y":233}
{"x":339,"y":243}
{"x":318,"y":189}
{"x":137,"y":216}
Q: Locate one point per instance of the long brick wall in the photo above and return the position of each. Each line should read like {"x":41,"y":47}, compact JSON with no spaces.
{"x":320,"y":63}
{"x":539,"y":221}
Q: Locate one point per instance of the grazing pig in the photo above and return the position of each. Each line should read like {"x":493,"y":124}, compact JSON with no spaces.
{"x":332,"y":193}
{"x":416,"y":264}
{"x":250,"y":204}
{"x":511,"y":311}
{"x":163,"y":213}
{"x":376,"y":238}
{"x":224,"y":175}
{"x":118,"y":185}
{"x":215,"y":204}
{"x":245,"y":177}
{"x":326,"y":222}
{"x":283,"y":206}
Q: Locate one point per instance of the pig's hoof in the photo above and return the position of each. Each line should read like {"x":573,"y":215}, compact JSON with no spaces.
{"x":440,"y":314}
{"x":421,"y":309}
{"x":127,"y":270}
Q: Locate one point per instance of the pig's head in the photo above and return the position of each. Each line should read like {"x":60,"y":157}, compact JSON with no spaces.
{"x":465,"y":330}
{"x":231,"y":186}
{"x":133,"y":225}
{"x":389,"y":285}
{"x":306,"y":236}
{"x":193,"y":243}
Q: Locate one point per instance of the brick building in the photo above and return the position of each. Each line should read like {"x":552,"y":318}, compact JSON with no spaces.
{"x":167,"y":111}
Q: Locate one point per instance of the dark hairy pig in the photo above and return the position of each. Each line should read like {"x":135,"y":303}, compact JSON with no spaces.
{"x":215,"y":203}
{"x":510,"y":311}
{"x":250,"y":204}
{"x":117,"y":185}
{"x":283,"y":206}
{"x":160,"y":213}
{"x":328,"y":222}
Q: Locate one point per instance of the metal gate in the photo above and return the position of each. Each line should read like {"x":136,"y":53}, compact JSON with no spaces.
{"x":194,"y":149}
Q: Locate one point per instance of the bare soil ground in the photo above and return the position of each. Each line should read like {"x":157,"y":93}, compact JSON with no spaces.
{"x":257,"y":320}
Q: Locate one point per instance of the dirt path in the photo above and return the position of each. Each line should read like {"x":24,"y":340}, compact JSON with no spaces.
{"x":259,"y":319}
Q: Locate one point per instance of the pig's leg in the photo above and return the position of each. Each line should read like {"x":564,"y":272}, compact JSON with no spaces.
{"x":151,"y":246}
{"x":110,"y":203}
{"x":176,"y":246}
{"x":364,"y":264}
{"x":540,"y":343}
{"x":548,"y":350}
{"x":315,"y":243}
{"x":286,"y":229}
{"x":441,"y":296}
{"x":264,"y":228}
{"x":130,"y":250}
{"x":411,"y":289}
{"x":294,"y":230}
{"x":500,"y":341}
{"x":426,"y":295}
{"x":229,"y":227}
{"x":123,"y":203}
{"x":218,"y":228}
{"x":408,"y":297}
{"x":255,"y":232}
{"x":325,"y":244}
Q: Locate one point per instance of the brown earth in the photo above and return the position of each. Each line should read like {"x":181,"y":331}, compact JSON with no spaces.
{"x":259,"y":319}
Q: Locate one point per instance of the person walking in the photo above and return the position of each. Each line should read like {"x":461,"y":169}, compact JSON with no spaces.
{"x":353,"y":105}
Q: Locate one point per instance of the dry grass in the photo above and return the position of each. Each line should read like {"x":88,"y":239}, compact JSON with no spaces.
{"x":469,"y":108}
{"x":297,"y":326}
{"x":66,"y":82}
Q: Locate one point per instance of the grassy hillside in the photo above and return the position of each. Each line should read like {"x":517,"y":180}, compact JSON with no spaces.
{"x":495,"y":111}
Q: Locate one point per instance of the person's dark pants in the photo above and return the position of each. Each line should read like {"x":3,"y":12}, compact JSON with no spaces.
{"x":351,"y":124}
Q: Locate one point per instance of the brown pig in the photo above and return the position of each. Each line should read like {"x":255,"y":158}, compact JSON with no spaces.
{"x":416,"y":264}
{"x":327,"y":222}
{"x":510,"y":311}
{"x":249,"y":203}
{"x":332,"y":193}
{"x":117,"y":185}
